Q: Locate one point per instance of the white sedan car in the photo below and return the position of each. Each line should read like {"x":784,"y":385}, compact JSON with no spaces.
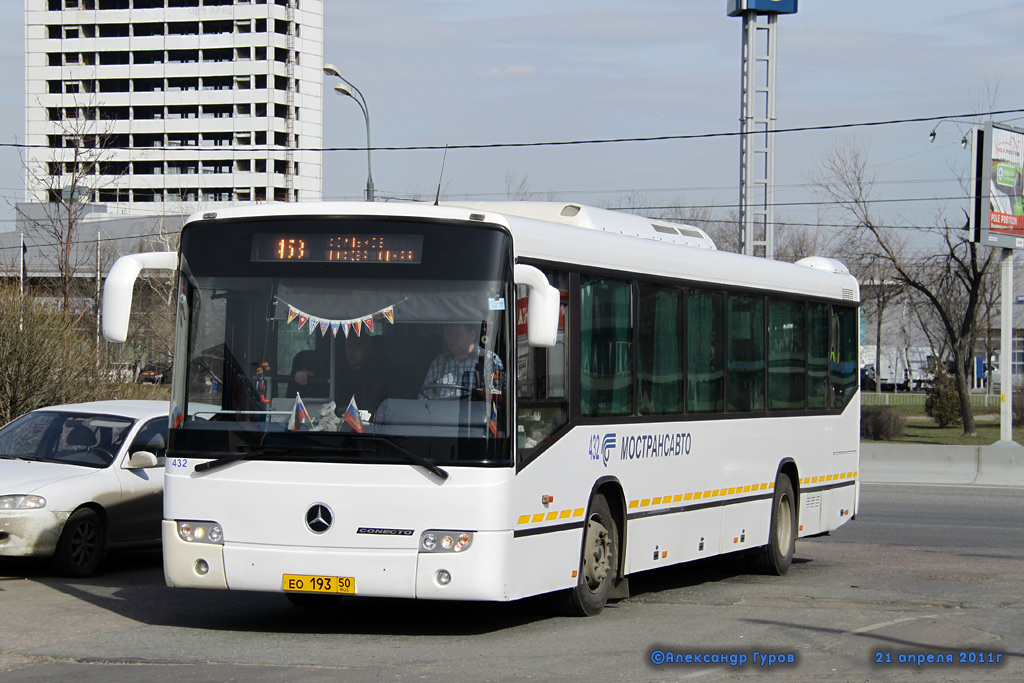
{"x":78,"y":479}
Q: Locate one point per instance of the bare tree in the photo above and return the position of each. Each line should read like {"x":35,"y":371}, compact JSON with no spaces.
{"x":153,"y":318}
{"x":517,"y":188}
{"x":880,"y":291}
{"x":794,"y":242}
{"x":951,"y":280}
{"x":77,"y":165}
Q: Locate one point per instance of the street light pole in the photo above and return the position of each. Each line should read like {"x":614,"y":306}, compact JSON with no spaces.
{"x":349,"y":90}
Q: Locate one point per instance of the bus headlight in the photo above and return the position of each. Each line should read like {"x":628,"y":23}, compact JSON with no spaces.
{"x":201,"y":532}
{"x":434,"y":541}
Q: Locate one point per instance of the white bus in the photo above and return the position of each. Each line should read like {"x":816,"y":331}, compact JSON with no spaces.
{"x":493,"y":401}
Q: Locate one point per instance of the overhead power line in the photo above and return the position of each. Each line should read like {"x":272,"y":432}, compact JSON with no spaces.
{"x":562,"y":143}
{"x":819,"y":203}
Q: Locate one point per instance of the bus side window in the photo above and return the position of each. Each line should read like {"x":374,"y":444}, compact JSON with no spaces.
{"x":746,"y":363}
{"x":660,"y":350}
{"x":843,"y":354}
{"x":606,"y":340}
{"x":541,"y":375}
{"x":787,"y":355}
{"x":705,"y":357}
{"x":817,"y":352}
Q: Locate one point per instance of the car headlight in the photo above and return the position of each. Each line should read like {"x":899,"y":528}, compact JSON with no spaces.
{"x":22,"y":502}
{"x":433,"y":541}
{"x":201,"y":532}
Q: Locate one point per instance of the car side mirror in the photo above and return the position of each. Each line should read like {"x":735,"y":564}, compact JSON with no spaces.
{"x":140,"y":460}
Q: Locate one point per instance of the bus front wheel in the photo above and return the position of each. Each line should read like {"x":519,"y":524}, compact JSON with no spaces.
{"x":599,"y":565}
{"x":776,"y":557}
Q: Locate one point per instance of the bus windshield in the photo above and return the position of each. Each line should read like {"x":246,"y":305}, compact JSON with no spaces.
{"x":335,"y":339}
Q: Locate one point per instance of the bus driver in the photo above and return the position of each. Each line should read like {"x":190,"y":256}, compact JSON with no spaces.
{"x":461,"y":370}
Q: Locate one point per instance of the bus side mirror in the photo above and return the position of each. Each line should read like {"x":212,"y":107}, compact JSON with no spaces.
{"x":543,"y":306}
{"x":117,"y":289}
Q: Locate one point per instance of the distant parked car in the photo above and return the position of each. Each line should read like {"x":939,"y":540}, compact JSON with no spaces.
{"x":155,"y":373}
{"x":122,"y":372}
{"x":78,"y":479}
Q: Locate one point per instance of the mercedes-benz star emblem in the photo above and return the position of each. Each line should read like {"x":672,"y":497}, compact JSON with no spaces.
{"x":319,"y":518}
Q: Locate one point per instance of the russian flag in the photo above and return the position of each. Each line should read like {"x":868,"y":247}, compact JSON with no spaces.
{"x":352,"y":416}
{"x":298,"y":416}
{"x":492,"y":424}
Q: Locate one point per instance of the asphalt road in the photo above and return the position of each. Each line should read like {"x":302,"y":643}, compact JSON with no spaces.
{"x":923,"y":570}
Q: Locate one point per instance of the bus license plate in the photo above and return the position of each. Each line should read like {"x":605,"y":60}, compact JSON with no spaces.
{"x":318,"y":584}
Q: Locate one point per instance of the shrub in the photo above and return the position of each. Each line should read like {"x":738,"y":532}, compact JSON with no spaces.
{"x":882,"y":423}
{"x":943,"y":402}
{"x":47,"y":357}
{"x":1018,"y":404}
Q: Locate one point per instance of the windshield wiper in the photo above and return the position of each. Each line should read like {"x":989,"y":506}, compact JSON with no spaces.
{"x":412,"y":456}
{"x":426,"y":463}
{"x":235,"y":457}
{"x":34,"y":458}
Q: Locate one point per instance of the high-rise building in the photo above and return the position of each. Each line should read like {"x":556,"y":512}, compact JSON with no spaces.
{"x":141,"y":102}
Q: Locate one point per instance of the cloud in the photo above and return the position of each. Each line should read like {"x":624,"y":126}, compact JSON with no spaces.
{"x":510,"y":71}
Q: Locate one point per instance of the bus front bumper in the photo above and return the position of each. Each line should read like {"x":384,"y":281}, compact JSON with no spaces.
{"x":477,"y":573}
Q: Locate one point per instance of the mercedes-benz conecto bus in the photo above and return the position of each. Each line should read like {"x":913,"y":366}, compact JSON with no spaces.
{"x":493,"y":401}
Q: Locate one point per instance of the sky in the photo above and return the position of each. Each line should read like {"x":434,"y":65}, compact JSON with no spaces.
{"x":458,"y":72}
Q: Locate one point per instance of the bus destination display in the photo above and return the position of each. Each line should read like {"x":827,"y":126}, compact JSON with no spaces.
{"x":326,"y":248}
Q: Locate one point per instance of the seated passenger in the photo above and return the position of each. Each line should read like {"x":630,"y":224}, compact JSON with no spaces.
{"x":360,"y":375}
{"x":464,"y":369}
{"x":310,"y":373}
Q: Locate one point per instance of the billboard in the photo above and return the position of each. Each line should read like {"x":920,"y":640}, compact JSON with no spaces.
{"x":736,"y":8}
{"x":997,"y":186}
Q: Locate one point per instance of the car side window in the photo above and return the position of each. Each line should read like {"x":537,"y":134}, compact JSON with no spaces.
{"x":153,"y":438}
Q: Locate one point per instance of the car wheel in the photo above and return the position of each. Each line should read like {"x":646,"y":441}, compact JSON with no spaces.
{"x":81,"y":546}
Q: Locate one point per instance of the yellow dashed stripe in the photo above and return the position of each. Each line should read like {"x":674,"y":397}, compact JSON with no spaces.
{"x":841,"y":476}
{"x":680,"y":497}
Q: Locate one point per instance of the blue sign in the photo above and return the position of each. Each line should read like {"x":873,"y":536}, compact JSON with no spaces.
{"x":738,"y":7}
{"x":1020,"y":299}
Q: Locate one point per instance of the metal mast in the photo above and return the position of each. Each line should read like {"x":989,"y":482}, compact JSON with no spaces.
{"x":757,"y":123}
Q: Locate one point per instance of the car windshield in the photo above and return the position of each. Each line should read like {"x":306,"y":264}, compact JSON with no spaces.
{"x":353,"y":360}
{"x":69,"y":438}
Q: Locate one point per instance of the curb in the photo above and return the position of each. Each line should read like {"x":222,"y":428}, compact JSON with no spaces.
{"x":919,"y":464}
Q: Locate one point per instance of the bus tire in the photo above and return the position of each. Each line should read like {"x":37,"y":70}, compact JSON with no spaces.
{"x":776,"y":557}
{"x":599,"y":564}
{"x":82,"y":545}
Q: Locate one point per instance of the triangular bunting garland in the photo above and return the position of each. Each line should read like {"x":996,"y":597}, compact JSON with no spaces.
{"x":388,"y":313}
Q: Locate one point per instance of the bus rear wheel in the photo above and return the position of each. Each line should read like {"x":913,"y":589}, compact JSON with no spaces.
{"x":776,"y":557}
{"x":599,"y":564}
